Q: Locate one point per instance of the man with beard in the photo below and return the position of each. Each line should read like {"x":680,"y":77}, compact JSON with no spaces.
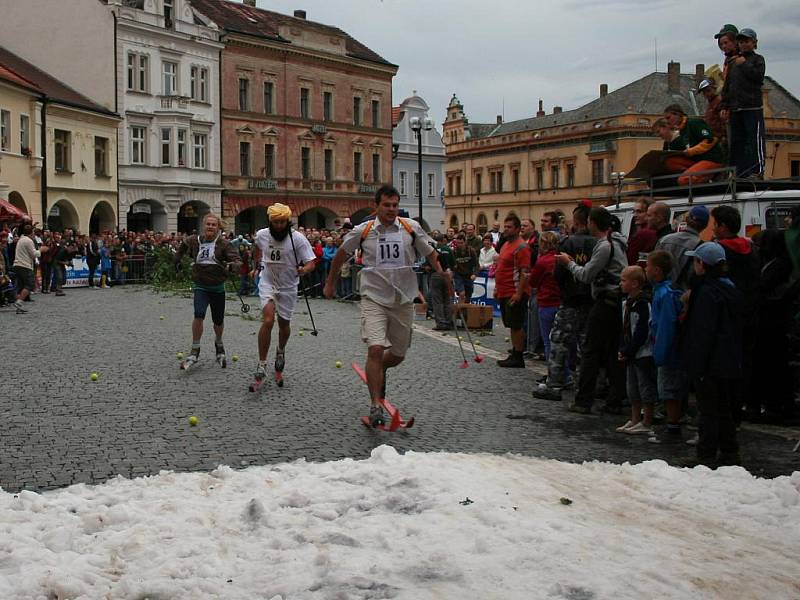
{"x":283,"y":255}
{"x":213,"y":258}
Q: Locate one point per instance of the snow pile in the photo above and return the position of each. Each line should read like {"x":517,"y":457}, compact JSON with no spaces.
{"x":416,"y":526}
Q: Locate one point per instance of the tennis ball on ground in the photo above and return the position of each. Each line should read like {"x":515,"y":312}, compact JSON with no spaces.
{"x":179,"y":355}
{"x":508,"y":339}
{"x":192,"y":420}
{"x":300,"y":334}
{"x":477,"y":342}
{"x":460,"y":338}
{"x":234,"y":358}
{"x":338,"y":364}
{"x":94,"y":376}
{"x":162,"y":317}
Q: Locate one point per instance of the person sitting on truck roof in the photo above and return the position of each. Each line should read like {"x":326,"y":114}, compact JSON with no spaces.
{"x":696,"y":141}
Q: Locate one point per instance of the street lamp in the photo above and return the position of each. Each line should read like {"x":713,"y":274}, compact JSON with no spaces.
{"x":417,"y":126}
{"x":617,"y":179}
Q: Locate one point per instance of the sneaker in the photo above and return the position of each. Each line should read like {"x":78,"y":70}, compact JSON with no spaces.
{"x":261,"y":371}
{"x":376,"y":416}
{"x":280,"y":361}
{"x":624,"y":428}
{"x":514,"y":361}
{"x":547,"y":393}
{"x":579,"y":408}
{"x":18,"y":306}
{"x":639,"y":428}
{"x":542,"y":379}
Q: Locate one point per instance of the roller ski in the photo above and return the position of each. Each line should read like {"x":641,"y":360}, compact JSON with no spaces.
{"x":383,"y":416}
{"x":259,"y":377}
{"x":222,"y":359}
{"x":280,"y":363}
{"x":190,"y":360}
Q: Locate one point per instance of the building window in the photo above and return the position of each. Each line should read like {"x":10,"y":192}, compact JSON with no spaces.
{"x":168,"y":14}
{"x":376,"y":168}
{"x":356,"y":111}
{"x":137,"y":72}
{"x":181,"y":147}
{"x":794,"y":168}
{"x":5,"y":130}
{"x":200,"y":146}
{"x":478,"y":183}
{"x":540,"y":178}
{"x":137,"y":145}
{"x":327,"y":106}
{"x":570,"y":175}
{"x":269,"y":97}
{"x":169,"y":70}
{"x":598,"y":171}
{"x":198,"y":84}
{"x":450,"y":186}
{"x":416,"y":185}
{"x":356,"y":166}
{"x":554,"y":176}
{"x":376,"y":113}
{"x":244,"y":159}
{"x":24,"y":132}
{"x":496,"y":181}
{"x":483,"y":225}
{"x":62,"y":144}
{"x":244,"y":94}
{"x":269,"y":161}
{"x":166,"y":146}
{"x":515,"y":180}
{"x":305,"y":157}
{"x":431,"y":185}
{"x":328,"y":165}
{"x":304,"y":108}
{"x":100,"y":156}
{"x":458,"y":185}
{"x":403,"y":183}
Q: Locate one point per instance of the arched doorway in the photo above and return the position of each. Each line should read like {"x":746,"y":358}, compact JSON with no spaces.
{"x":250,"y":220}
{"x":103,"y":218}
{"x":482,"y":223}
{"x":454,"y":221}
{"x":147,"y":215}
{"x":190,"y":215}
{"x":361,"y":215}
{"x":62,"y":215}
{"x":318,"y":217}
{"x":15,"y":198}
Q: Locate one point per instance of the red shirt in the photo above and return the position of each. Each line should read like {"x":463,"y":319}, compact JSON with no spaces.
{"x":514,"y":257}
{"x":548,"y":294}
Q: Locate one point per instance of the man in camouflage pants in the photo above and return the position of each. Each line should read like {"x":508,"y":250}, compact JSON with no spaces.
{"x":569,"y":328}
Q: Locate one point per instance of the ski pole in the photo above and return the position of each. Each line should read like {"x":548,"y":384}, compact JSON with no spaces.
{"x":464,"y":364}
{"x":314,"y":331}
{"x":478,"y":357}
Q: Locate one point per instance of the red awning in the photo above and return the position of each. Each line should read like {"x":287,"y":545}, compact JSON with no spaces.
{"x":9,"y":212}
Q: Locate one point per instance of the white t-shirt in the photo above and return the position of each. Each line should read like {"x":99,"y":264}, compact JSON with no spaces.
{"x":278,"y":259}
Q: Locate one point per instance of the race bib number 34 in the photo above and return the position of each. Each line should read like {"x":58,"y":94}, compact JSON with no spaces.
{"x":390,"y":252}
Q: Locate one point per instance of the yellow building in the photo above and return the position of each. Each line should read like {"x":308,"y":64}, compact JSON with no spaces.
{"x":69,"y":171}
{"x":550,"y":161}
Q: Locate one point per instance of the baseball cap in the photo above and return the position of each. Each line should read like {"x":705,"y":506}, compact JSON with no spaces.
{"x":747,"y":33}
{"x":711,"y":253}
{"x":706,"y":83}
{"x":727,"y":28}
{"x":699,"y":214}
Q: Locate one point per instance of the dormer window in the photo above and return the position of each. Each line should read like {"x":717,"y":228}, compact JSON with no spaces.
{"x":168,"y":13}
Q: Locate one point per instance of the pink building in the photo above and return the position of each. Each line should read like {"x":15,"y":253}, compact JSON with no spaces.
{"x":306,"y":117}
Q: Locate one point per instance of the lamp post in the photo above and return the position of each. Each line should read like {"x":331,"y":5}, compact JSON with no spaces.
{"x":418,"y":126}
{"x":617,"y":178}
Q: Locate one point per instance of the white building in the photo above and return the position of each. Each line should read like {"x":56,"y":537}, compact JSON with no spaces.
{"x":405,"y":167}
{"x":168,"y":95}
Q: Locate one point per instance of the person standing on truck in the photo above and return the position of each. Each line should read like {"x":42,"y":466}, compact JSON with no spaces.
{"x":697,"y":143}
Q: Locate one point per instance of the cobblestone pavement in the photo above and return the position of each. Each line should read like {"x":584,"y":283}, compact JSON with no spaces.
{"x":57,"y":427}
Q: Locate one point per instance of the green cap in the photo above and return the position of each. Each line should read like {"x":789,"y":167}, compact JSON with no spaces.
{"x":727,"y":28}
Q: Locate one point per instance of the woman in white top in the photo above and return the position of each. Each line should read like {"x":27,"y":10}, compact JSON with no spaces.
{"x":488,"y":254}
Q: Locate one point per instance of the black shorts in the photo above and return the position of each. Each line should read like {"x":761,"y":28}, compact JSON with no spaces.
{"x":513,"y":314}
{"x":202,"y":300}
{"x":24,"y":279}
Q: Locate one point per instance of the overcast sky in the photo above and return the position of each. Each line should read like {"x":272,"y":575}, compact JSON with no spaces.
{"x":513,"y":52}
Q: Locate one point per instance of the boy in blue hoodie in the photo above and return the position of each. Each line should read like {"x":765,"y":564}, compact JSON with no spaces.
{"x":664,"y":312}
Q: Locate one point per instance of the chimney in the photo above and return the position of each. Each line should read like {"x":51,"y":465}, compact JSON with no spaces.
{"x":674,"y":77}
{"x":250,"y":3}
{"x":699,"y":74}
{"x":540,"y":112}
{"x":603,"y":90}
{"x":499,"y":119}
{"x":557,"y":110}
{"x":300,"y":14}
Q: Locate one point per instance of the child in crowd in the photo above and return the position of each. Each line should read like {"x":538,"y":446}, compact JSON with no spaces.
{"x":636,"y":352}
{"x":711,"y":348}
{"x":548,"y":294}
{"x":664,"y":312}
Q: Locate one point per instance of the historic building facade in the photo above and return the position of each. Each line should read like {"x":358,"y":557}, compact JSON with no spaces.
{"x":550,"y":161}
{"x":306,"y":117}
{"x":405,"y":169}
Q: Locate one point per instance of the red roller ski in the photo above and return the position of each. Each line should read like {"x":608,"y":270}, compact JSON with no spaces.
{"x":395,"y":422}
{"x":279,"y":378}
{"x":257,"y":384}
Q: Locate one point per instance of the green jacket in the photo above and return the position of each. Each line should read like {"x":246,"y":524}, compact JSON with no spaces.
{"x":446,"y":258}
{"x":696,"y":139}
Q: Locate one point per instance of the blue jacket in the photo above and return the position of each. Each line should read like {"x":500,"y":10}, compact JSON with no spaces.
{"x":664,"y":311}
{"x":328,"y":253}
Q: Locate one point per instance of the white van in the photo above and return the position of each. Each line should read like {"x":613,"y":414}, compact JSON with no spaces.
{"x":765,"y":209}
